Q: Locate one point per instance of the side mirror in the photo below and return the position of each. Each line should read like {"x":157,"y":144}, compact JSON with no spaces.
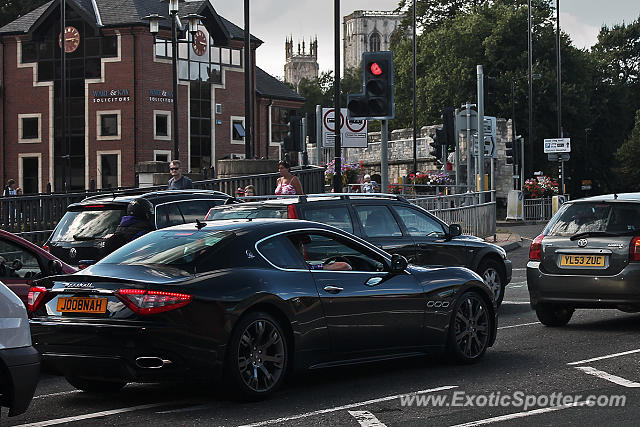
{"x":455,"y":230}
{"x":54,"y":267}
{"x":398,"y":263}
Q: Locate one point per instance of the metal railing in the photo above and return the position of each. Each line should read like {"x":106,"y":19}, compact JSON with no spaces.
{"x":20,"y":214}
{"x":538,"y":209}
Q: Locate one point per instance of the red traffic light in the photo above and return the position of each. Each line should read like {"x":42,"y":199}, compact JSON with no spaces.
{"x":375,"y":68}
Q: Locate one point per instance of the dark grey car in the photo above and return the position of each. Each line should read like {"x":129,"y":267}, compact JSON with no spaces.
{"x":588,"y":256}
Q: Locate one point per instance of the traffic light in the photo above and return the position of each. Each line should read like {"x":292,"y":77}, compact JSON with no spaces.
{"x":489,"y":93}
{"x":512,"y":152}
{"x":294,"y":139}
{"x":376,"y":100}
{"x":448,"y":125}
{"x":439,"y":140}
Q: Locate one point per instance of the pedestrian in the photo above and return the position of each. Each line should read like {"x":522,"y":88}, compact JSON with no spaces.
{"x":178,"y":181}
{"x":288,"y":184}
{"x":134,"y":224}
{"x":368,"y":186}
{"x":11,"y":188}
{"x":249,"y":190}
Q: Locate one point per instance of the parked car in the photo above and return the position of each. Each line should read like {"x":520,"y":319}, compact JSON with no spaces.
{"x":19,"y":361}
{"x":391,"y":223}
{"x":244,"y":300}
{"x":82,"y":232}
{"x":588,"y":256}
{"x":21,"y":262}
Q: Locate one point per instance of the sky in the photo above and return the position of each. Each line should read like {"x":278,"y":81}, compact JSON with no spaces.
{"x":273,"y":21}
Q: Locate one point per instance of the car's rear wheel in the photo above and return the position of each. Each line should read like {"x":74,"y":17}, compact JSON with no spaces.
{"x":553,"y":314}
{"x":95,"y":386}
{"x":491,"y":274}
{"x":258,"y":356}
{"x":470,"y":328}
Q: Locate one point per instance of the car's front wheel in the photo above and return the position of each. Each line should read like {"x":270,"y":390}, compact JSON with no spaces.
{"x":553,"y":314}
{"x":470,"y":328}
{"x":258,"y":356}
{"x":491,"y":274}
{"x":95,"y":386}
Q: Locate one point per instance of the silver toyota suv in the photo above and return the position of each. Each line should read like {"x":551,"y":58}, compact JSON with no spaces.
{"x":588,"y":256}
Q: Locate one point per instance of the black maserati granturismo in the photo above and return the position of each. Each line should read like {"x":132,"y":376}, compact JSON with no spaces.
{"x":251,"y":301}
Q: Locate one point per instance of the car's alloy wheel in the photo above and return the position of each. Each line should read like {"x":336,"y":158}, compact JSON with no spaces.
{"x":553,"y":315}
{"x":492,"y":277}
{"x":259,"y":355}
{"x":470,"y":328}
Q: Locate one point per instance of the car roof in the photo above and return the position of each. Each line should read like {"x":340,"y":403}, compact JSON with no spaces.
{"x":269,"y":225}
{"x":322,"y":197}
{"x":155,"y":197}
{"x":620,"y":197}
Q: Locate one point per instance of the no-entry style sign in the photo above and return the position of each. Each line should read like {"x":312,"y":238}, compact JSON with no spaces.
{"x":353,"y":132}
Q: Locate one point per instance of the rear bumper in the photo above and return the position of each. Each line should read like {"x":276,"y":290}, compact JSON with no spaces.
{"x":22,"y":370}
{"x":581,"y":291}
{"x":110,"y":352}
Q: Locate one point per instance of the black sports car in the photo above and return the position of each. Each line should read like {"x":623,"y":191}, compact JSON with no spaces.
{"x":252,"y":300}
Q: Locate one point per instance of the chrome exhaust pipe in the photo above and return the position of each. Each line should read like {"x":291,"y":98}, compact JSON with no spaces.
{"x":150,"y":362}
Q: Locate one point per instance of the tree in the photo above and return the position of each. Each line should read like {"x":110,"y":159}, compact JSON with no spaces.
{"x":628,"y":159}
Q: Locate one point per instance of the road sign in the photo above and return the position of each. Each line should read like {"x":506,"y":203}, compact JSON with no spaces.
{"x":461,"y":120}
{"x":489,"y":146}
{"x":557,"y":145}
{"x":558,"y":157}
{"x":353,"y":132}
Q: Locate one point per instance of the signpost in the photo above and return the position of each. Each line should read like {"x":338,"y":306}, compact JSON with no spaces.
{"x":558,"y":149}
{"x":353,"y":132}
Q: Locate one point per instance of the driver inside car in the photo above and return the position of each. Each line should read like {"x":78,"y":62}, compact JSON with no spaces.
{"x":301,"y":241}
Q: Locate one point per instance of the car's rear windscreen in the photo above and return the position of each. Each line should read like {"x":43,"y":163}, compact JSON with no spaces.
{"x":238,"y":212}
{"x":87,"y":224}
{"x":585,"y":217}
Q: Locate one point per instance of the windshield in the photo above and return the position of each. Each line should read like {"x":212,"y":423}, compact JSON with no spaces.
{"x":87,"y":225}
{"x":596,"y":217}
{"x":247,"y":212}
{"x":178,"y":248}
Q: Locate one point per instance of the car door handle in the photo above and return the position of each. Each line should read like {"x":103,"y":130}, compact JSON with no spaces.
{"x":374,"y":281}
{"x":333,"y":289}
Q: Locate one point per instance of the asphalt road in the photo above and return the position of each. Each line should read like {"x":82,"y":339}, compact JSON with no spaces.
{"x":596,"y":355}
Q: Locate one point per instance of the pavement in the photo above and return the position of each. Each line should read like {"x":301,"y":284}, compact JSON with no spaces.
{"x":507,"y":239}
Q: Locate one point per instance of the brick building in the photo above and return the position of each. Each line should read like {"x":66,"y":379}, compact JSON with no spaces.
{"x":119,"y":95}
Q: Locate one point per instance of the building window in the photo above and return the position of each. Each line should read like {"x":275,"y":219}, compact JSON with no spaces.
{"x":374,"y":42}
{"x":162,"y":125}
{"x":237,"y":130}
{"x":29,"y":128}
{"x":109,"y":173}
{"x":30,"y":173}
{"x":109,"y":126}
{"x":280,"y":123}
{"x":162,"y":155}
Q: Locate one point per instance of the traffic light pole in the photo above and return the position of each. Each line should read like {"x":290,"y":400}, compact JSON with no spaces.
{"x":384,"y":157}
{"x":469,"y":149}
{"x":481,"y":130}
{"x":456,"y":139}
{"x":337,"y":176}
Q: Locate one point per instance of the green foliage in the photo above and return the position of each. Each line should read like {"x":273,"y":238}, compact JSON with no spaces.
{"x":319,"y":91}
{"x":628,"y":159}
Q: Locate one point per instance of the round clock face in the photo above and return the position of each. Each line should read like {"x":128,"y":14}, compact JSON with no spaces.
{"x":199,"y":43}
{"x":71,"y":39}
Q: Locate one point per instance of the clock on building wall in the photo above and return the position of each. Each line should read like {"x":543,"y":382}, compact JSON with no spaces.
{"x":71,"y":39}
{"x":199,"y":43}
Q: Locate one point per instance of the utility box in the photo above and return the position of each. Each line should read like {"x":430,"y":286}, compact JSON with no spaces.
{"x":515,"y":200}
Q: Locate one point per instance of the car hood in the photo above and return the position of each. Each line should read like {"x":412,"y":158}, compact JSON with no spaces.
{"x":468,"y":237}
{"x":159,"y":274}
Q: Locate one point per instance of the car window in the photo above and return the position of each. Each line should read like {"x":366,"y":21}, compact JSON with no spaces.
{"x":418,"y":223}
{"x":87,"y":224}
{"x":17,"y":262}
{"x":378,"y":221}
{"x":168,"y":215}
{"x":318,"y":249}
{"x":196,"y":209}
{"x":243,"y":212}
{"x":584,"y":217}
{"x":338,"y":216}
{"x":281,"y":253}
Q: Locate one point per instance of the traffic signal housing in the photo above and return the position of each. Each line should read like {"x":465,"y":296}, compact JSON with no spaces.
{"x":439,"y":140}
{"x":294,"y":139}
{"x":376,"y":102}
{"x":448,"y":125}
{"x":512,"y":152}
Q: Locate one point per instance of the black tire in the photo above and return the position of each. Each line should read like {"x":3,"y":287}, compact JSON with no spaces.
{"x":470,"y":328}
{"x":492,"y":275}
{"x":554,"y":315}
{"x":95,"y":386}
{"x":257,"y":356}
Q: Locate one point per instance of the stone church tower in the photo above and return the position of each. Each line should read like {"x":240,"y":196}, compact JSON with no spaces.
{"x":300,"y":64}
{"x":367,"y":31}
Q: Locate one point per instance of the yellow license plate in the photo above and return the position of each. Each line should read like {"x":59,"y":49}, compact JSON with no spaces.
{"x":582,"y":261}
{"x":82,"y":305}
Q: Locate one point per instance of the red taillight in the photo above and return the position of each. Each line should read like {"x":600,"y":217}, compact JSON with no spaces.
{"x":35,"y":297}
{"x":292,"y":212}
{"x":535,"y":250}
{"x":46,"y":247}
{"x":151,"y":302}
{"x":634,"y":249}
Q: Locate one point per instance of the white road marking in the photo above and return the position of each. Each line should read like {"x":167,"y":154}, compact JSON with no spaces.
{"x":187,"y":409}
{"x":367,"y":419}
{"x":517,"y":326}
{"x":609,"y":377}
{"x":343,"y":407}
{"x":89,"y":416}
{"x":518,"y":269}
{"x":608,"y":356}
{"x":56,"y":394}
{"x":516,"y":302}
{"x":522,"y":414}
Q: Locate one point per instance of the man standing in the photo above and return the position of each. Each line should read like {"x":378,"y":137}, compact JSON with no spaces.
{"x":178,"y":181}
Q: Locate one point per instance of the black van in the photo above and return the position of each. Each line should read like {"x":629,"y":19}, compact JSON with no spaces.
{"x":81,"y":233}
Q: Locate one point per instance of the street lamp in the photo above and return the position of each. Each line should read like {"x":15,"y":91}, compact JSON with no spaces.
{"x":154,"y":28}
